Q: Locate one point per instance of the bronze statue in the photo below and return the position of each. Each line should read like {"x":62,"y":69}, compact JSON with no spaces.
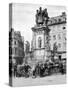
{"x":39,"y":19}
{"x":42,"y":16}
{"x":40,"y":11}
{"x":45,"y":16}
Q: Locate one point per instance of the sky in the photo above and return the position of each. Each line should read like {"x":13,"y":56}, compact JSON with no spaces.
{"x":23,"y":17}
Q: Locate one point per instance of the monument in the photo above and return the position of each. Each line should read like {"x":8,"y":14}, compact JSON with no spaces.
{"x":41,"y":31}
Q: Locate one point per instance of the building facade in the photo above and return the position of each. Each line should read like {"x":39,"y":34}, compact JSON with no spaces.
{"x":41,"y":48}
{"x":16,"y":47}
{"x":57,"y":25}
{"x":47,"y":33}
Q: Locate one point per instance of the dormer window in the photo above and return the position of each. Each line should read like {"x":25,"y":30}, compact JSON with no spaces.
{"x":59,"y":20}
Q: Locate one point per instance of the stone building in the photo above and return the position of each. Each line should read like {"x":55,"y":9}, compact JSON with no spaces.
{"x":47,"y":33}
{"x":57,"y":26}
{"x":16,"y":47}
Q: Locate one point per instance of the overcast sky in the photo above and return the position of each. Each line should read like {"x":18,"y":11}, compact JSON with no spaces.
{"x":23,"y":17}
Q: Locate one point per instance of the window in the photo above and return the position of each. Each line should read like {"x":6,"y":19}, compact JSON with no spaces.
{"x":59,"y":20}
{"x":51,"y":22}
{"x":15,"y":42}
{"x":64,"y":43}
{"x":55,"y":21}
{"x":16,"y":51}
{"x":64,"y":27}
{"x":65,"y":38}
{"x":55,"y":46}
{"x":65,"y":19}
{"x":59,"y":45}
{"x":59,"y":36}
{"x":13,"y":51}
{"x":54,"y":37}
{"x":39,"y":42}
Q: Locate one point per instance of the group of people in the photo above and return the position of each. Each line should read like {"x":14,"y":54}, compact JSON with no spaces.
{"x":46,"y":69}
{"x":40,"y":69}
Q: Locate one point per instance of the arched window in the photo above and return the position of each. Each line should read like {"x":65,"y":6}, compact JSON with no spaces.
{"x":39,"y":42}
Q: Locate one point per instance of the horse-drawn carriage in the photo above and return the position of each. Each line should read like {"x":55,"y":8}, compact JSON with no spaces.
{"x":23,"y":70}
{"x":41,"y":69}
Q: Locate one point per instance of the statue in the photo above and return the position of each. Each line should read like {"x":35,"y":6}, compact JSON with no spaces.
{"x":45,"y":16}
{"x":41,"y":16}
{"x":40,"y":11}
{"x":39,"y":19}
{"x":37,"y":16}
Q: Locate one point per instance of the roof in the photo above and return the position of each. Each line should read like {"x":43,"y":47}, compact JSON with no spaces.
{"x":57,"y":20}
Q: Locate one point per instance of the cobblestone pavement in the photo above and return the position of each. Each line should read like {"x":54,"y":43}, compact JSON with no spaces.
{"x":48,"y":80}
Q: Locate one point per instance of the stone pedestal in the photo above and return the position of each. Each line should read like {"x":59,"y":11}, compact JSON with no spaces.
{"x":41,"y":36}
{"x":40,"y":53}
